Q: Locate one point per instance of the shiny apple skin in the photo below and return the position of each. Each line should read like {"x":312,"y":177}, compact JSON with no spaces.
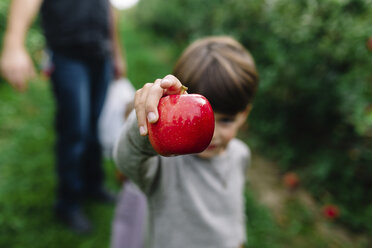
{"x":185,"y":125}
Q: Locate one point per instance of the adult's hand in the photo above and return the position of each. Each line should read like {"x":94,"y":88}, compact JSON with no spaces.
{"x":15,"y":63}
{"x":16,"y":67}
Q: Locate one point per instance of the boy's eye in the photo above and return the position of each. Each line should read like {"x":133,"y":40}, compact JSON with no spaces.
{"x":225,"y":120}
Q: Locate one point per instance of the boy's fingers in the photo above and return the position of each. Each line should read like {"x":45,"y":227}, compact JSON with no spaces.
{"x":139,"y":105}
{"x":171,"y":84}
{"x":152,"y":101}
{"x":147,"y":100}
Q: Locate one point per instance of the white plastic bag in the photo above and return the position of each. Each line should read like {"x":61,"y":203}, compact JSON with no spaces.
{"x":120,"y":93}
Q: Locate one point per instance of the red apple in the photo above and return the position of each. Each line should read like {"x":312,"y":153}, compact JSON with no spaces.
{"x":331,"y":211}
{"x":291,"y":180}
{"x":369,"y":44}
{"x":185,"y":125}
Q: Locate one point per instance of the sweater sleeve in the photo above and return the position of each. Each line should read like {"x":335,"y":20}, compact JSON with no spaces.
{"x":135,"y":157}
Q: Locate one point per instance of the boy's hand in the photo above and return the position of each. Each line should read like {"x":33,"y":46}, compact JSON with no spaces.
{"x":147,"y":99}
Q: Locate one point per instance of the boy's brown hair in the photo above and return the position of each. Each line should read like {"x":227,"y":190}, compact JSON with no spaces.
{"x":222,"y":70}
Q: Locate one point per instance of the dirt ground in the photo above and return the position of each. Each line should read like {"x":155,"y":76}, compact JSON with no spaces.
{"x":266,"y":182}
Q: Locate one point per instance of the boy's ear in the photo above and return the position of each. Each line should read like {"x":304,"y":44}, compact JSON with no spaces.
{"x":244,"y":115}
{"x":247,"y":110}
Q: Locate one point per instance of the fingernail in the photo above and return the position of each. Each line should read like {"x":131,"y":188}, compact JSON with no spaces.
{"x":151,"y":117}
{"x":142,"y":130}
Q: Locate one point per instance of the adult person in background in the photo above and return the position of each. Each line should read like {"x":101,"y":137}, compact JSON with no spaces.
{"x":85,"y":52}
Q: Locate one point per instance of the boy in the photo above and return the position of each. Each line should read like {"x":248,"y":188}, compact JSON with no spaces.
{"x":195,"y":200}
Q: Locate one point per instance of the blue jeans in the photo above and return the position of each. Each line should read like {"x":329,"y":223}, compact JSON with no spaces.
{"x":79,"y":87}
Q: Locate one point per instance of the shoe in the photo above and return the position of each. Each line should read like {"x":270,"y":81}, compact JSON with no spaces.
{"x":103,"y":196}
{"x":76,"y":221}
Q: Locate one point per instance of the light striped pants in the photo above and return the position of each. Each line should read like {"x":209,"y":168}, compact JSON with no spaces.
{"x":128,"y":226}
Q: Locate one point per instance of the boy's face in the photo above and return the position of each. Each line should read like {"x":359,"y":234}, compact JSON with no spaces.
{"x":226,"y":128}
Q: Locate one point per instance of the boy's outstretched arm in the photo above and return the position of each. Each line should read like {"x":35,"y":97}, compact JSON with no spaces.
{"x":134,"y":155}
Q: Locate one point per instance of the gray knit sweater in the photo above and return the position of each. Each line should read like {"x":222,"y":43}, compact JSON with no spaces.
{"x":193,"y":202}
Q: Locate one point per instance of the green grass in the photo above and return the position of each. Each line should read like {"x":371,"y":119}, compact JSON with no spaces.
{"x":27,"y":177}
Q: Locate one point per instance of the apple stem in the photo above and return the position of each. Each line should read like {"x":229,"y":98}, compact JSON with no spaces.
{"x":183,"y":89}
